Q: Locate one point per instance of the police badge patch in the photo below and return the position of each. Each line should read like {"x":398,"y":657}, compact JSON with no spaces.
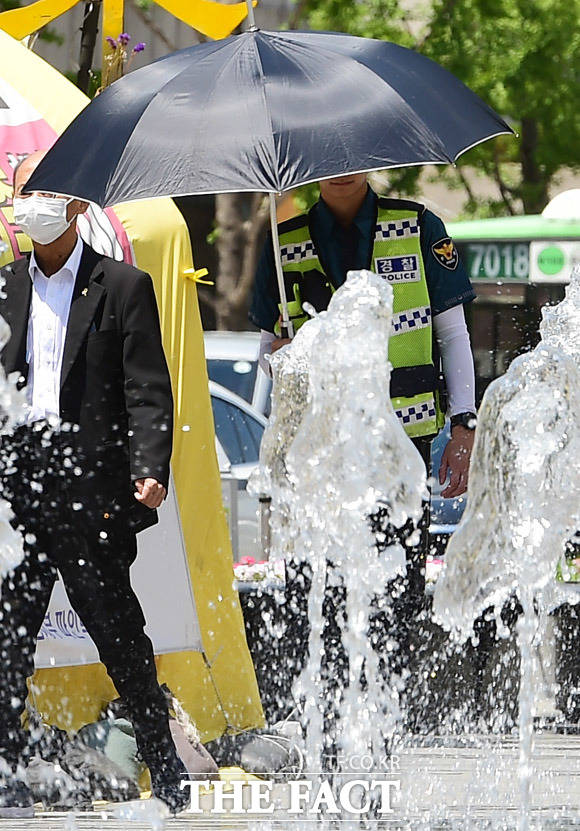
{"x":446,"y":253}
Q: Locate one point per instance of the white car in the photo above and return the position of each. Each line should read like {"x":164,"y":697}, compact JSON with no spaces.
{"x":238,"y":433}
{"x":232,"y":361}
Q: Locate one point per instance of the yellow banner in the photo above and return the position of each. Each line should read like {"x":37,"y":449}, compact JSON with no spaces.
{"x":113,"y":22}
{"x":214,"y":20}
{"x":23,"y":22}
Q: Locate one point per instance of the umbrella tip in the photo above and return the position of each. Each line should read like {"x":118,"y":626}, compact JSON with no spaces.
{"x":251,"y":19}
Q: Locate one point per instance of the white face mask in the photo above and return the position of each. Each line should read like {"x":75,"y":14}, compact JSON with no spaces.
{"x":41,"y":217}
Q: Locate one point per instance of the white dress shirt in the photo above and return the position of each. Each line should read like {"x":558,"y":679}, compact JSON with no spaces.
{"x":47,"y":323}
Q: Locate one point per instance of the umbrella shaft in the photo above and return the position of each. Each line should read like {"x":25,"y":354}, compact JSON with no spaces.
{"x":251,"y":18}
{"x":287,"y":328}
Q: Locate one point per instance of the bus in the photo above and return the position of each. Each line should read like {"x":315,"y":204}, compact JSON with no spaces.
{"x":517,"y":265}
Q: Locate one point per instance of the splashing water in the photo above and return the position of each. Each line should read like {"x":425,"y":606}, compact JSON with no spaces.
{"x":290,"y":370}
{"x":560,"y":325}
{"x":12,"y":412}
{"x":524,"y":503}
{"x":333,"y":454}
{"x":150,"y":812}
{"x":334,"y":451}
{"x":524,"y":490}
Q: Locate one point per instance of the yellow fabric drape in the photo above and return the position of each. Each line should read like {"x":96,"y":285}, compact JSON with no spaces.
{"x":19,"y":23}
{"x":218,"y":686}
{"x":204,"y":528}
{"x":113,"y":19}
{"x":214,"y":20}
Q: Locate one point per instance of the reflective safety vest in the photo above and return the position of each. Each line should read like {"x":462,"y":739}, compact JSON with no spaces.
{"x":396,"y":256}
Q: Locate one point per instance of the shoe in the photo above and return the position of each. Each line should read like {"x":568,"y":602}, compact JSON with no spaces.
{"x":16,"y":800}
{"x":166,"y":786}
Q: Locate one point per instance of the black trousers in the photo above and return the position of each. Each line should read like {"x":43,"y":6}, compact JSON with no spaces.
{"x":394,"y":627}
{"x":94,"y":565}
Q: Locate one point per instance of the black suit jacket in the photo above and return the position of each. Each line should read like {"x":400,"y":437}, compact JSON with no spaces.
{"x":116,"y":405}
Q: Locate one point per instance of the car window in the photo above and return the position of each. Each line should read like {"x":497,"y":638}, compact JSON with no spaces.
{"x":238,"y":376}
{"x":225,"y":428}
{"x":238,"y":432}
{"x":251,"y":436}
{"x":256,"y":429}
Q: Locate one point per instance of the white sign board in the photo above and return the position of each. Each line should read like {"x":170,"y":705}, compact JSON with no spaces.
{"x":160,"y":577}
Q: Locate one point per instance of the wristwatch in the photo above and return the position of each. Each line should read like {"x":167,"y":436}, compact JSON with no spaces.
{"x":467,"y":420}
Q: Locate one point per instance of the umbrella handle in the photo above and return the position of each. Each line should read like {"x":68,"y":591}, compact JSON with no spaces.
{"x":287,"y":330}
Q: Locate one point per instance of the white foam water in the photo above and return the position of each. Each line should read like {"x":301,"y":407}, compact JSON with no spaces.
{"x":12,"y":412}
{"x":334,"y":451}
{"x":524,"y":502}
{"x":560,"y":324}
{"x":150,"y":813}
{"x":333,"y":454}
{"x":524,"y":490}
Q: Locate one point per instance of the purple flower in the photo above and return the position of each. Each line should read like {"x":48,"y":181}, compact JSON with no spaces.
{"x":140,"y":47}
{"x":124,"y":39}
{"x":112,"y":42}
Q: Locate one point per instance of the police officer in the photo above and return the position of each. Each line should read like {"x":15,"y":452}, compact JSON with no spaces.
{"x":351,"y":228}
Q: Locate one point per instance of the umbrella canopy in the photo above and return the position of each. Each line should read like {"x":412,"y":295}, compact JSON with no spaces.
{"x":265,"y":111}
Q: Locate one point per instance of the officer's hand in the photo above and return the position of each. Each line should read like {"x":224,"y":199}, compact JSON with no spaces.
{"x":456,"y":458}
{"x":149,"y":492}
{"x":278,"y":343}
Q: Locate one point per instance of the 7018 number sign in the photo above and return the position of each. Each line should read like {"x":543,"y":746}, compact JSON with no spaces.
{"x":496,"y":260}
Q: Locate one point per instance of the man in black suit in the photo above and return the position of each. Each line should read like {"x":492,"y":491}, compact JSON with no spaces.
{"x":85,"y":473}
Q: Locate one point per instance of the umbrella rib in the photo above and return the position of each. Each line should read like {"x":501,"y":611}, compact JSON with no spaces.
{"x":337,"y":55}
{"x":509,"y":132}
{"x":155,"y":95}
{"x":449,"y":159}
{"x":266,"y":109}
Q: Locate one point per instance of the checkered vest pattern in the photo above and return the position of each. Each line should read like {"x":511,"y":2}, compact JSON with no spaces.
{"x":397,"y":257}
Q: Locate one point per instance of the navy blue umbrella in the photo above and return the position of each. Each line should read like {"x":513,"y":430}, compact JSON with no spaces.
{"x":265,"y":111}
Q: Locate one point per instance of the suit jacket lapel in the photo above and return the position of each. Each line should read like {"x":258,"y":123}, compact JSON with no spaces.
{"x":85,"y":300}
{"x":15,"y":310}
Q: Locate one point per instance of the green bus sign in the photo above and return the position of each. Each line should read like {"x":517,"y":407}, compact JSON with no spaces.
{"x":533,"y":249}
{"x":496,"y":260}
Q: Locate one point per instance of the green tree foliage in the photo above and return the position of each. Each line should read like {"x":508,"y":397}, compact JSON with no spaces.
{"x":383,"y":19}
{"x":520,"y":56}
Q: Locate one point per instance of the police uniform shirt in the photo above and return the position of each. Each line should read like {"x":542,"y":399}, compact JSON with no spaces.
{"x":447,"y":280}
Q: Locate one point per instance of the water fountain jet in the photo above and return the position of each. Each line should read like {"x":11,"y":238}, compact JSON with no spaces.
{"x":523,"y":506}
{"x":331,"y":459}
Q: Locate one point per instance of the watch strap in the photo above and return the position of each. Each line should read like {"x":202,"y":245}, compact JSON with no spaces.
{"x":467,"y":420}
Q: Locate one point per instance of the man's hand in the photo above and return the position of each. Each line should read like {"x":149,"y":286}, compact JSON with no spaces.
{"x":149,"y":492}
{"x":456,"y":458}
{"x":278,"y":343}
